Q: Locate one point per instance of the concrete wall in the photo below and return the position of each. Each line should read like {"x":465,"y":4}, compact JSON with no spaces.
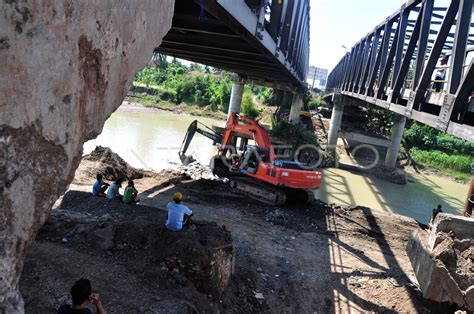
{"x":65,"y":66}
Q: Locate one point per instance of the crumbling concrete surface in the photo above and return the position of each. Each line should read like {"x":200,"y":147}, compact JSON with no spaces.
{"x":65,"y":66}
{"x":443,"y":260}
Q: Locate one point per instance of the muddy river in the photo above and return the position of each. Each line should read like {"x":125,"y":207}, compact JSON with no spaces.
{"x":151,"y":139}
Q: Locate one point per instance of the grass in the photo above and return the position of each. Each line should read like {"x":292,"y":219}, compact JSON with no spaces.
{"x":151,"y":102}
{"x":456,"y":166}
{"x":148,"y":101}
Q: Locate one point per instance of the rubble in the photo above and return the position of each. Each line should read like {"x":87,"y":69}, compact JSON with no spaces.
{"x":197,"y":171}
{"x":443,"y":260}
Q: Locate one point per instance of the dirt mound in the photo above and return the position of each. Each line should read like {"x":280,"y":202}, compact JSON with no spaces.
{"x":112,"y":166}
{"x":202,"y":253}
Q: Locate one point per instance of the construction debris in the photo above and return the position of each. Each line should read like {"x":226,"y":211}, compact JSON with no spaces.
{"x":443,"y":260}
{"x":197,"y":171}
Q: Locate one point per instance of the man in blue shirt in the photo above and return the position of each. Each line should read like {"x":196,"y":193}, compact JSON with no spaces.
{"x":178,"y":214}
{"x":99,"y":187}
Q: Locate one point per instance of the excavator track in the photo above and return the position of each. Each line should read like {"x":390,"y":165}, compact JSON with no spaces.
{"x":258,"y":191}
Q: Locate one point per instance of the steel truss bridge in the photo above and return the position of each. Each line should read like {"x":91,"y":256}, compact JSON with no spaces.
{"x":418,"y":63}
{"x":266,"y":41}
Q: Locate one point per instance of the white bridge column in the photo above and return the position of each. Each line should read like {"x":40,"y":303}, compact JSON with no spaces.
{"x":396,"y":138}
{"x":336,"y":120}
{"x":295,"y":110}
{"x":236,"y":97}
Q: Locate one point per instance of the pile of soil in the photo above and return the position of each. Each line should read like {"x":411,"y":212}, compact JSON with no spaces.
{"x":186,"y":271}
{"x":202,"y":253}
{"x":111,"y":165}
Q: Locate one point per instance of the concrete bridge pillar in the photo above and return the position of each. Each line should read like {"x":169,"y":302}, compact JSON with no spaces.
{"x":296,"y":104}
{"x":236,"y":97}
{"x":278,"y":97}
{"x":286,"y":99}
{"x":396,"y":139}
{"x":336,"y":120}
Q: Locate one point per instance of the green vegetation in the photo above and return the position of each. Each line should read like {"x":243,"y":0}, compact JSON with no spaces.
{"x":432,"y":148}
{"x":293,"y":134}
{"x":315,"y":102}
{"x":175,"y":83}
{"x":380,"y":121}
{"x":248,"y":107}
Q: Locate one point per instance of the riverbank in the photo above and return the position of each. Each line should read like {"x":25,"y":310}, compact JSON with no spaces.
{"x":149,"y":101}
{"x":306,"y":258}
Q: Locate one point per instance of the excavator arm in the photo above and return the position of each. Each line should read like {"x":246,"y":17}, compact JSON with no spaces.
{"x":202,"y":129}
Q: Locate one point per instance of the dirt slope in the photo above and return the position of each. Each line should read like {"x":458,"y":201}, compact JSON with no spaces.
{"x":298,"y":259}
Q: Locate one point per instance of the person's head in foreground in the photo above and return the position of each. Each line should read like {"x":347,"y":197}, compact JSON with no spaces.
{"x":81,"y":291}
{"x":131,"y":183}
{"x":99,"y":177}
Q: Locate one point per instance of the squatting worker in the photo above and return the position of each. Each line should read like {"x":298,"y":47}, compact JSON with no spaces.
{"x":81,"y":294}
{"x":179,"y":215}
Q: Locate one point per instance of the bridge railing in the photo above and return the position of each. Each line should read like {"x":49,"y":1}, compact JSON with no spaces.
{"x":419,"y":63}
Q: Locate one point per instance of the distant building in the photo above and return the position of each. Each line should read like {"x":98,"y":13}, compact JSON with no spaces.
{"x":317,"y":77}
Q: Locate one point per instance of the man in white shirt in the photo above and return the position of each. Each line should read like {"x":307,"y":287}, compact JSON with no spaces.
{"x":113,"y":190}
{"x":178,"y":215}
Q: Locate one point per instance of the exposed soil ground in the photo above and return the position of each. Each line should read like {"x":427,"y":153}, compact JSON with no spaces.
{"x":297,"y":259}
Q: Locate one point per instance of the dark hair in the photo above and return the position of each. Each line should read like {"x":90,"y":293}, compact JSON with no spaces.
{"x":99,"y":176}
{"x":130,"y":182}
{"x":81,"y":291}
{"x":439,"y":206}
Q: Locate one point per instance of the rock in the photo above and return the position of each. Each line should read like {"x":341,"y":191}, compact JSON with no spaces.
{"x":69,"y":65}
{"x":442,"y":262}
{"x":470,"y":298}
{"x":461,"y":227}
{"x":197,"y":171}
{"x":259,"y":295}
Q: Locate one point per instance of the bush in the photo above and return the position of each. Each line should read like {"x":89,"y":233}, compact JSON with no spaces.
{"x":441,"y":160}
{"x":314,"y":103}
{"x":248,"y":107}
{"x":167,"y":94}
{"x":427,"y":138}
{"x":293,"y":134}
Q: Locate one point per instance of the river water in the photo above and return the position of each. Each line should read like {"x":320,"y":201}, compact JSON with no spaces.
{"x":151,"y":139}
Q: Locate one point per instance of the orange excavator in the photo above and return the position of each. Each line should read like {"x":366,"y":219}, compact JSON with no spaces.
{"x":247,"y":157}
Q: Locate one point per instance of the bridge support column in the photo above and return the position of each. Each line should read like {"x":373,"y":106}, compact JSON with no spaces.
{"x":396,"y":138}
{"x":236,"y":97}
{"x":336,"y":120}
{"x":278,"y":97}
{"x":295,"y":110}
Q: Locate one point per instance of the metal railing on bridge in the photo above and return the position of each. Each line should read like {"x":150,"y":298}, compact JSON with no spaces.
{"x":418,"y":63}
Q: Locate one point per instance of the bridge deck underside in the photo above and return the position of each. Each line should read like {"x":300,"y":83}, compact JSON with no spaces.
{"x":218,"y":40}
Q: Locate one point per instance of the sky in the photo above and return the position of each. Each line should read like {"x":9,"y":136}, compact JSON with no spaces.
{"x":337,"y":23}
